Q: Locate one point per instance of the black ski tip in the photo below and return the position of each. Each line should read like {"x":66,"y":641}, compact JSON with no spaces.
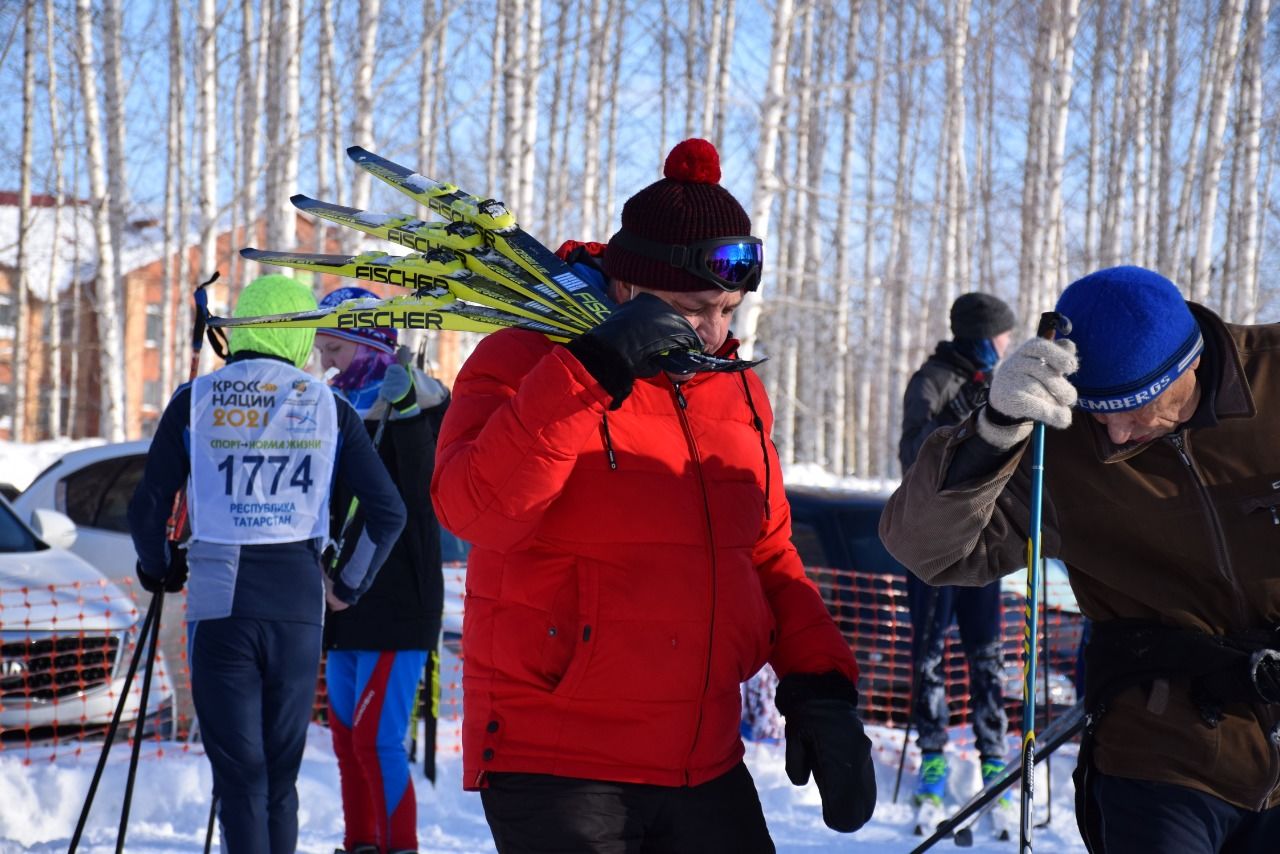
{"x":302,"y":201}
{"x":251,"y":253}
{"x":1004,"y":836}
{"x":358,"y":152}
{"x":964,"y":837}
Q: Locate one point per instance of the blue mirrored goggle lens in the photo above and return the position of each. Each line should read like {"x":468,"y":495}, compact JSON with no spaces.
{"x":735,"y":262}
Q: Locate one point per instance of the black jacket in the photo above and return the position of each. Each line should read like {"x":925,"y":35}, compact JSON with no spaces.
{"x":402,"y":610}
{"x":926,"y":402}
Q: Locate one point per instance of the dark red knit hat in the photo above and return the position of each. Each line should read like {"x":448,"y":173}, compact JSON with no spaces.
{"x":686,"y":206}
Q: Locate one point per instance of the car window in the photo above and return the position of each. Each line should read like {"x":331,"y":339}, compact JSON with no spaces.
{"x":862,"y":533}
{"x":14,"y":536}
{"x":113,"y":512}
{"x":807,"y":542}
{"x":82,"y":492}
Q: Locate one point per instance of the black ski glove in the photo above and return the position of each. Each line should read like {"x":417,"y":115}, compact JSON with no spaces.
{"x":173,"y":581}
{"x":626,"y":344}
{"x":824,"y":736}
{"x":970,"y":396}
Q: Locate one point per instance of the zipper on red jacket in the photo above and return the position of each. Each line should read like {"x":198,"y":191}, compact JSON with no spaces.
{"x":1179,"y":442}
{"x":683,"y":405}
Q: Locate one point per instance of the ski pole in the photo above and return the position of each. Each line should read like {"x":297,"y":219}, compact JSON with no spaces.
{"x":1050,"y":323}
{"x":916,"y":677}
{"x":157,"y":600}
{"x":1048,"y":699}
{"x":403,"y":358}
{"x":115,"y":723}
{"x":208,"y":830}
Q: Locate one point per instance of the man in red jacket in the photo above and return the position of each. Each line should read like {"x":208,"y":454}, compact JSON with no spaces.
{"x":632,"y":562}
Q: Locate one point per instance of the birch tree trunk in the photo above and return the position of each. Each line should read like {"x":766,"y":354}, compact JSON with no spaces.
{"x":18,"y":428}
{"x":207,"y":122}
{"x":493,"y":148}
{"x":531,"y":74}
{"x":609,"y":204}
{"x":362,"y":110}
{"x":592,"y":118}
{"x":722,"y":87}
{"x":181,"y":151}
{"x":172,"y":165}
{"x":107,"y":296}
{"x":290,"y":125}
{"x":866,"y":364}
{"x":1228,"y":29}
{"x":54,"y":311}
{"x":1246,"y":306}
{"x":841,"y":445}
{"x":559,"y":112}
{"x":766,"y":183}
{"x":117,"y":180}
{"x":1055,"y":270}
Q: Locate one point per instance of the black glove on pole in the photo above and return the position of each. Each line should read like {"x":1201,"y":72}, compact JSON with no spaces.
{"x":627,"y":343}
{"x":173,"y":581}
{"x":824,"y":736}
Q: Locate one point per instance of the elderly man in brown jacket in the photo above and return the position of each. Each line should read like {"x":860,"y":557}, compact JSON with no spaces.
{"x":1162,"y":496}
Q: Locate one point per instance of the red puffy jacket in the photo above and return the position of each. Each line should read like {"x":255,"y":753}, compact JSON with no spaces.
{"x":625,"y":576}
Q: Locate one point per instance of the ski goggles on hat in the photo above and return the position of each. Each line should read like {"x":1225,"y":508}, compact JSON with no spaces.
{"x":729,"y":263}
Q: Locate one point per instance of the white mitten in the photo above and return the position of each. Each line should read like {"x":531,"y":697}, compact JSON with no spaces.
{"x":1030,"y":385}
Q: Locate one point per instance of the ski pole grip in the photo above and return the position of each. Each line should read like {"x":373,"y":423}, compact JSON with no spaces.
{"x":1052,"y":324}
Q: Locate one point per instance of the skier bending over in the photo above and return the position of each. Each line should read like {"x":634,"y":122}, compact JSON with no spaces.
{"x":1161,"y":494}
{"x":632,"y":561}
{"x":257,"y":444}
{"x":377,"y":648}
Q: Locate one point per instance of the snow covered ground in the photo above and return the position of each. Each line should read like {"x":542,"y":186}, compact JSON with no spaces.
{"x":42,"y":796}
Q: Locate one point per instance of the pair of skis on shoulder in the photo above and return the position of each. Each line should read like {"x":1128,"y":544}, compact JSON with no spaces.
{"x":961,"y":823}
{"x":476,"y":272}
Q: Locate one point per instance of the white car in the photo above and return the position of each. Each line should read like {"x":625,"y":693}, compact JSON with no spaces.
{"x":93,"y":487}
{"x":67,"y":637}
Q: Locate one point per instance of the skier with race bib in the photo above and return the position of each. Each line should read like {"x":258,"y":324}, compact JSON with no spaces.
{"x":258,"y":445}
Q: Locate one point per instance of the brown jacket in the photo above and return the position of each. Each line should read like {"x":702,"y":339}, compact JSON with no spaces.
{"x":1184,"y":537}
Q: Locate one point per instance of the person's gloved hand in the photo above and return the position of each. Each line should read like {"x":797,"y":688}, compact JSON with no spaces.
{"x":398,"y":391}
{"x":174,"y":581}
{"x":824,"y":736}
{"x":969,"y":397}
{"x":1030,"y":385}
{"x":624,"y":346}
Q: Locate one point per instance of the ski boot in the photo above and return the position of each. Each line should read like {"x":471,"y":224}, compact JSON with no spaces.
{"x":931,"y":792}
{"x":1004,"y":814}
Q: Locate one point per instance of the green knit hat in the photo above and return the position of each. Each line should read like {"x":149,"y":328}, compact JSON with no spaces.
{"x":274,"y":294}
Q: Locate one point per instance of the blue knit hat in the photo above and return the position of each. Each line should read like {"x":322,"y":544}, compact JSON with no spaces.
{"x":379,"y":339}
{"x":1134,"y":334}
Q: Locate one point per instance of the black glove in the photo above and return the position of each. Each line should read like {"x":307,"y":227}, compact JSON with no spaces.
{"x":626,"y":344}
{"x":970,"y":396}
{"x":173,"y":581}
{"x":824,"y":736}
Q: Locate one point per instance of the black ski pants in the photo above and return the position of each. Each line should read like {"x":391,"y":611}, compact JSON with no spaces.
{"x":254,"y":686}
{"x":1135,"y":815}
{"x":977,"y":612}
{"x":542,"y":814}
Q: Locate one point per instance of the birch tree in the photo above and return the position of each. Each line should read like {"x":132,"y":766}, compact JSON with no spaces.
{"x":22,"y":323}
{"x":1228,"y":30}
{"x":362,"y":107}
{"x":766,"y":183}
{"x":54,"y":309}
{"x":207,"y":124}
{"x":1250,"y":142}
{"x":107,"y":295}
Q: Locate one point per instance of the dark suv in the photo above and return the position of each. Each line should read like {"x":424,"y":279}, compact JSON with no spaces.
{"x":837,"y":535}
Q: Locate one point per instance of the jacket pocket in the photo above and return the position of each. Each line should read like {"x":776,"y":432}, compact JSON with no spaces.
{"x":580,"y":641}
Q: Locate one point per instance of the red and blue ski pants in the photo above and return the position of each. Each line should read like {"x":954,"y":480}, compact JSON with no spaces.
{"x":371,"y":695}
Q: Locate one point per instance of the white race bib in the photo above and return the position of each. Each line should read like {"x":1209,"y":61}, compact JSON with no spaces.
{"x":264,"y":436}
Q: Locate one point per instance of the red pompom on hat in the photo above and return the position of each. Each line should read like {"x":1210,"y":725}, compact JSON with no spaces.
{"x":686,"y":206}
{"x":694,"y":161}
